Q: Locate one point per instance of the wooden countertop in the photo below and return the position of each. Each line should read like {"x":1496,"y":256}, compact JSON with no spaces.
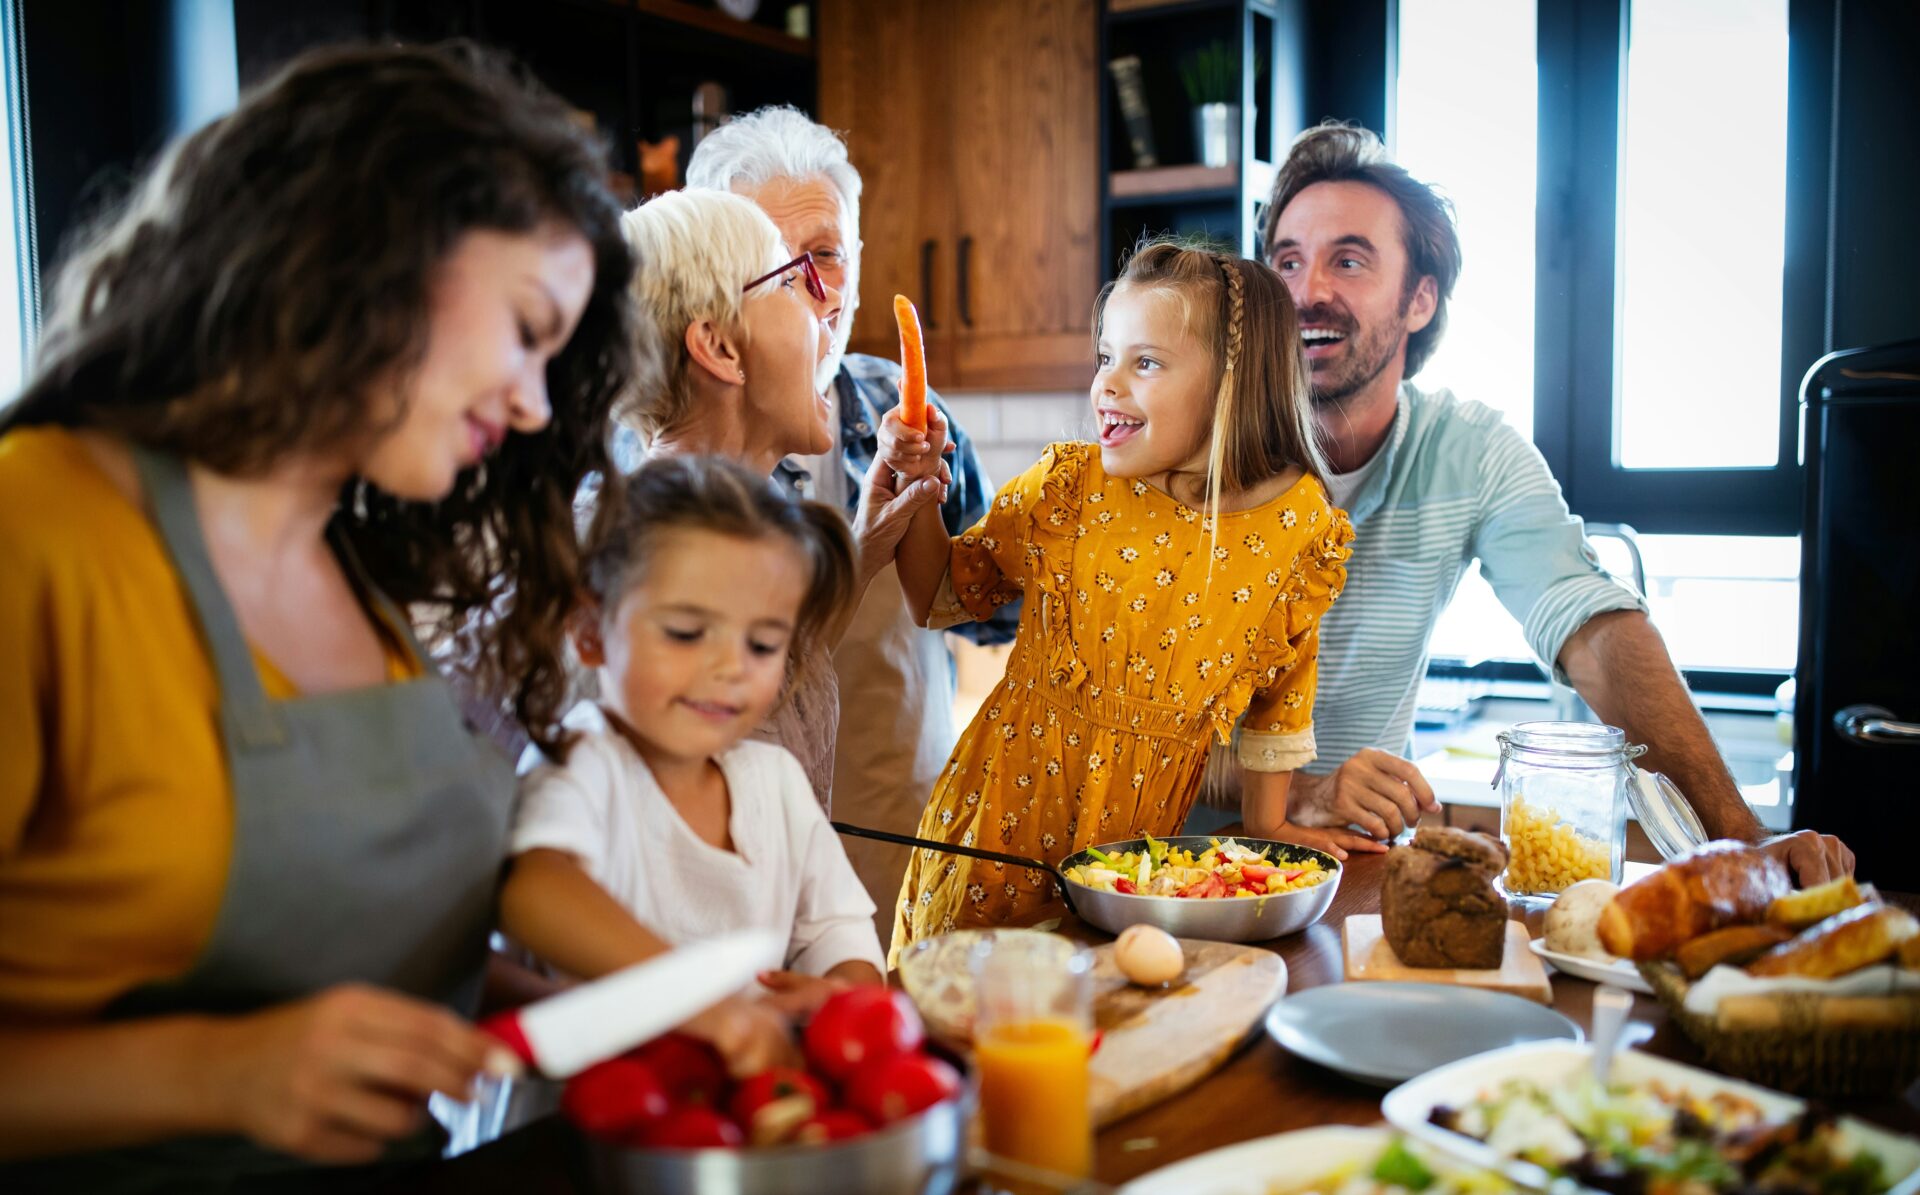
{"x":1261,"y":1091}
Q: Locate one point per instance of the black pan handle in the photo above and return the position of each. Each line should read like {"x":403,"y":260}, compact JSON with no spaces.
{"x":927,"y":248}
{"x":953,"y":848}
{"x":966,"y":282}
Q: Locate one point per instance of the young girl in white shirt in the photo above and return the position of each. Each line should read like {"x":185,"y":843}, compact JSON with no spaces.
{"x":666,"y":823}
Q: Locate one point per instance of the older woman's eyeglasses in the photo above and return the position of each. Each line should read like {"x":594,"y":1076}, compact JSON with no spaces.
{"x":815,"y":287}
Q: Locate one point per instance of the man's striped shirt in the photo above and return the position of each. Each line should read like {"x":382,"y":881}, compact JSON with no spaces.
{"x":1457,"y":484}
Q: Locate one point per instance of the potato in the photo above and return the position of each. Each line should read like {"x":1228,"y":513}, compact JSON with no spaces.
{"x":1798,"y":910}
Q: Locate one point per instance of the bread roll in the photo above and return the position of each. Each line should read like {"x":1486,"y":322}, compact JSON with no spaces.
{"x":1721,"y":883}
{"x":1844,"y":942}
{"x":1573,"y":923}
{"x":1734,"y":944}
{"x":1810,"y":906}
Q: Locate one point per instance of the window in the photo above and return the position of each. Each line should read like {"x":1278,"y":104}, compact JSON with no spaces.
{"x":1625,"y":235}
{"x":1702,"y":240}
{"x":1724,"y":604}
{"x":19,"y":272}
{"x":1670,"y":347}
{"x":1628,"y":226}
{"x":1472,"y":132}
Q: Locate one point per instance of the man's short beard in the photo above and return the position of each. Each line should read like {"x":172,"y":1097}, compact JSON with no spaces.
{"x":1371,"y":356}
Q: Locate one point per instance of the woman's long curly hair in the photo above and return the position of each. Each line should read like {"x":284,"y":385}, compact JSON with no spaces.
{"x":274,"y":268}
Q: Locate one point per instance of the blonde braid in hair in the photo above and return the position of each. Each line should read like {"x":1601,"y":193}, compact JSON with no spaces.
{"x":1223,"y":401}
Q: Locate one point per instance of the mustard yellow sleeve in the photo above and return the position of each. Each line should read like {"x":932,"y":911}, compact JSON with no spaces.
{"x":990,"y":561}
{"x":1276,"y":732}
{"x":24,"y":667}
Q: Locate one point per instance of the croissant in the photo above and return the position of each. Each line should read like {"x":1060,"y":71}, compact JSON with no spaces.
{"x":1721,"y":883}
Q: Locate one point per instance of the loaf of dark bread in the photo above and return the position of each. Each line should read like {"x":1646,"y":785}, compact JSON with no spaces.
{"x":1438,"y":907}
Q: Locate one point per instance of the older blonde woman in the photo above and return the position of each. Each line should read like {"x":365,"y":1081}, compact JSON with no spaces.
{"x":742,"y":324}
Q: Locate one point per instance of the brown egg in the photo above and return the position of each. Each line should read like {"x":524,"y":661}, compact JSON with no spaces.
{"x":1148,"y":955}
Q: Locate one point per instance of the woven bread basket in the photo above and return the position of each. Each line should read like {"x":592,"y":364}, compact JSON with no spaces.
{"x":1804,"y":1043}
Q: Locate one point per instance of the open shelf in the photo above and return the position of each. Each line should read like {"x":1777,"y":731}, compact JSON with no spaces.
{"x":1158,"y":181}
{"x":708,"y":20}
{"x":1164,"y":58}
{"x":1163,"y":184}
{"x":1139,"y":9}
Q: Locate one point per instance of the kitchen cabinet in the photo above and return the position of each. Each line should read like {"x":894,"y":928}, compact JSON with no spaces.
{"x":975,"y":130}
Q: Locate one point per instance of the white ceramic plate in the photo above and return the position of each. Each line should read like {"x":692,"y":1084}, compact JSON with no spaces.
{"x":1551,"y":1063}
{"x":1620,"y":973}
{"x":1254,"y":1167}
{"x":1383,"y":1033}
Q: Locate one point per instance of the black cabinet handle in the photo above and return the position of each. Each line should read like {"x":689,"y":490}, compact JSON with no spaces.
{"x":966,"y":282}
{"x":926,"y":283}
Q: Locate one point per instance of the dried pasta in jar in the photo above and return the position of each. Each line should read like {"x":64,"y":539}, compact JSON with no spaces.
{"x":1547,"y":855}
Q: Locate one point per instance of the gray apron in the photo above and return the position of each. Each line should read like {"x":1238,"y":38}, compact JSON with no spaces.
{"x":369,"y":828}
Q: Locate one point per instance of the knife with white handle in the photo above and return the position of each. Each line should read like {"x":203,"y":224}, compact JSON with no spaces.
{"x":566,"y":1033}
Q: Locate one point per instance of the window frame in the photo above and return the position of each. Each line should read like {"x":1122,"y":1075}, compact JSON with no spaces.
{"x":1582,"y":62}
{"x":16,"y":143}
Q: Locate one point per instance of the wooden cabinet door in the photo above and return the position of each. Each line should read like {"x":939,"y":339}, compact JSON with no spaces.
{"x":883,"y":71}
{"x":1024,"y":86}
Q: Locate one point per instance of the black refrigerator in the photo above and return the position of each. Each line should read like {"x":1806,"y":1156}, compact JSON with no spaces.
{"x":1857,"y":703}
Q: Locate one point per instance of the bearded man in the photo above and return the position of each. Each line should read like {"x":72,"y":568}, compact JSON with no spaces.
{"x":1432,"y":484}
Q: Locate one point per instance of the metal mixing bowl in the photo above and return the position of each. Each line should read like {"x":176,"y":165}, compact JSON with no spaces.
{"x":924,"y":1155}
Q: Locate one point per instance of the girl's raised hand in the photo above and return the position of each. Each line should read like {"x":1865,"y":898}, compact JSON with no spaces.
{"x":915,"y":454}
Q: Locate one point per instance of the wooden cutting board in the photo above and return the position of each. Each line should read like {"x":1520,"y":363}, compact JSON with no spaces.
{"x":1155,"y":1043}
{"x":1368,"y":956}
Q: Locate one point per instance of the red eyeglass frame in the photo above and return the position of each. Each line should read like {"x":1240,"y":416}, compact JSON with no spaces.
{"x":815,"y":287}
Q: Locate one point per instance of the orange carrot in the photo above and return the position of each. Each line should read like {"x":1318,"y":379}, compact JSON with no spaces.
{"x":913,"y":365}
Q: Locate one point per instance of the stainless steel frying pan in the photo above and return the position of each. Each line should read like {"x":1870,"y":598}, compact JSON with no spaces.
{"x":1233,"y":919}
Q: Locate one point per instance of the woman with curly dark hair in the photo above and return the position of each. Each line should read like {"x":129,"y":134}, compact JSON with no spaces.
{"x":332,"y":375}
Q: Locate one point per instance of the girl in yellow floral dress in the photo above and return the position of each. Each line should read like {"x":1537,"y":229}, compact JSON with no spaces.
{"x":1173,"y":578}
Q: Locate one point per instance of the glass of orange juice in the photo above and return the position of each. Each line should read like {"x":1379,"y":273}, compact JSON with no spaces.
{"x":1032,"y":1034}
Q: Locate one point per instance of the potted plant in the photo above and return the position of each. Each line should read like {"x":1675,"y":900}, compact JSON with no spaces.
{"x":1213,"y":88}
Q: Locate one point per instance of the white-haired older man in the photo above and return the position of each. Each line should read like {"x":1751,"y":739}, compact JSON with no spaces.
{"x":896,"y":680}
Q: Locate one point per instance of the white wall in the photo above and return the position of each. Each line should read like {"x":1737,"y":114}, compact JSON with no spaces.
{"x":1010,"y":430}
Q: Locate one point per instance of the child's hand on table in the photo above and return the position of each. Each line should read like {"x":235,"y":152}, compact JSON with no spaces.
{"x":1335,"y":842}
